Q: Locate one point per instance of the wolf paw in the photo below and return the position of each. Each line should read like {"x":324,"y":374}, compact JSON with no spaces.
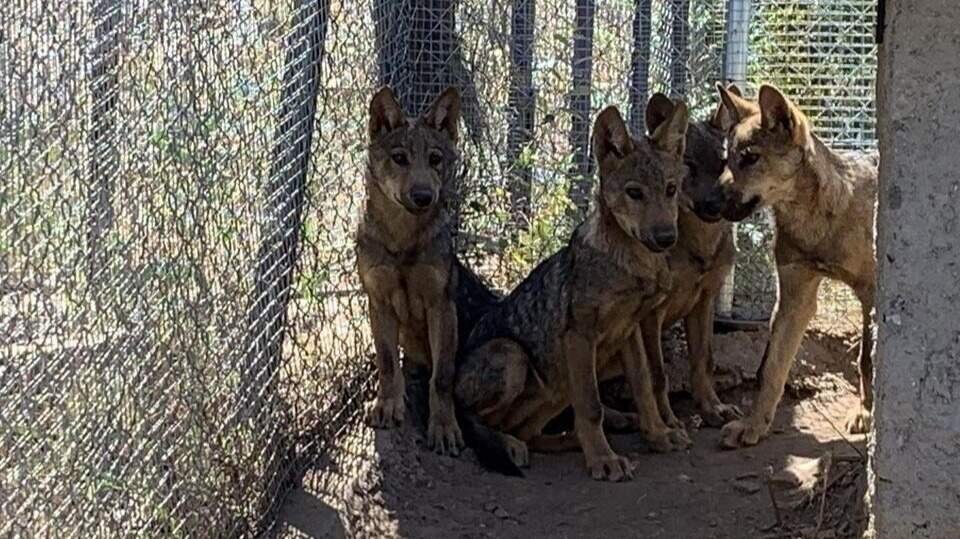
{"x":518,"y":451}
{"x":741,"y":433}
{"x":667,"y":440}
{"x":610,"y":467}
{"x":679,"y":438}
{"x":444,"y":436}
{"x":670,"y":419}
{"x":859,"y":422}
{"x":719,"y":414}
{"x":385,"y":412}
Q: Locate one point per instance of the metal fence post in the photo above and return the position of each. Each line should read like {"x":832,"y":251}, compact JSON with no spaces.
{"x":285,"y":195}
{"x":579,"y":103}
{"x":103,"y":156}
{"x":734,"y":70}
{"x":679,"y":46}
{"x":522,"y":107}
{"x":640,"y":64}
{"x":429,"y":50}
{"x":736,"y":43}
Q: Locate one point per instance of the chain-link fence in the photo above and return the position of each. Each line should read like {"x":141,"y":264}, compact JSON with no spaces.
{"x":181,"y":329}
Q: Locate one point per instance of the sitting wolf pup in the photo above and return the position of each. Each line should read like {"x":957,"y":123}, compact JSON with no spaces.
{"x":699,"y":263}
{"x":545,"y":345}
{"x":419,"y":293}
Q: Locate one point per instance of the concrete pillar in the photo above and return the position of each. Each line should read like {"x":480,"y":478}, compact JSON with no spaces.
{"x":915,"y":453}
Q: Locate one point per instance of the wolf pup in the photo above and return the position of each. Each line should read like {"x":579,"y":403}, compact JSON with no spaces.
{"x":545,"y":345}
{"x":699,"y":263}
{"x":406,"y":260}
{"x":823,"y":204}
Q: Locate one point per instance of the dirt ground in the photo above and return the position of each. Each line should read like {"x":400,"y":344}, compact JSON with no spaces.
{"x":386,"y":484}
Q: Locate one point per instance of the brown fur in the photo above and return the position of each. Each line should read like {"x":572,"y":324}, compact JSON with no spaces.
{"x":574,"y":318}
{"x":823,"y":202}
{"x":406,"y":260}
{"x":700,"y":261}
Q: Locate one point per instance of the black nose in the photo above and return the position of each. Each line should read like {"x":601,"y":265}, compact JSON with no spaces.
{"x":665,"y":236}
{"x":421,"y":198}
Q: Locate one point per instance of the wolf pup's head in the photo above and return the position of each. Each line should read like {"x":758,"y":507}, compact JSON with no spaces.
{"x":640,"y":178}
{"x":767,"y":146}
{"x":413,"y":161}
{"x":703,"y":193}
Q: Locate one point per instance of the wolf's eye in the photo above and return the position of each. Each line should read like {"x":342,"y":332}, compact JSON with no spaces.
{"x":634,"y":193}
{"x":748,"y":158}
{"x":400,"y":158}
{"x":435,"y":159}
{"x":671,"y":190}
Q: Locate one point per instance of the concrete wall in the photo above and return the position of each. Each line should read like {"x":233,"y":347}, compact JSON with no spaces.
{"x":915,"y":460}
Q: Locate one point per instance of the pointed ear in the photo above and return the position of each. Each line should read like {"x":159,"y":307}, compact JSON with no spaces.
{"x":722,"y":117}
{"x":610,"y":135}
{"x":670,"y":133}
{"x":659,"y":108}
{"x":737,"y":108}
{"x":386,"y":114}
{"x":777,"y":111}
{"x":444,"y":114}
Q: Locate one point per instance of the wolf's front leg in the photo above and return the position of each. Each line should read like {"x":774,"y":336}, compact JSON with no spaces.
{"x":443,"y":433}
{"x":796,"y":305}
{"x":859,"y":420}
{"x":386,"y":411}
{"x":580,"y":355}
{"x":699,"y":329}
{"x":636,"y":367}
{"x":651,"y":328}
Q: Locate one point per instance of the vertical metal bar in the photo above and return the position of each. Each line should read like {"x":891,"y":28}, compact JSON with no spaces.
{"x":736,"y":45}
{"x":285,"y":196}
{"x":679,"y":46}
{"x":522,"y":108}
{"x":640,"y":64}
{"x":734,"y":70}
{"x":388,"y":26}
{"x":430,"y":49}
{"x":579,"y":102}
{"x":103,"y":154}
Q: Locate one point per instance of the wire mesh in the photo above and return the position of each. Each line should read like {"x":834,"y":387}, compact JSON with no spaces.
{"x":183,"y":334}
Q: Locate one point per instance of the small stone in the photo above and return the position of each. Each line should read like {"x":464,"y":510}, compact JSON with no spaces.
{"x":685,"y":478}
{"x":499,"y":512}
{"x":489,"y":507}
{"x":652,"y":515}
{"x":746,"y":486}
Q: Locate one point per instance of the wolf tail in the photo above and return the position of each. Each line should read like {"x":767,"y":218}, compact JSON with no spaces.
{"x":488,"y":444}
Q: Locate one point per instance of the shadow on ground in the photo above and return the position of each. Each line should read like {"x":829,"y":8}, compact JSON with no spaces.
{"x":386,"y":484}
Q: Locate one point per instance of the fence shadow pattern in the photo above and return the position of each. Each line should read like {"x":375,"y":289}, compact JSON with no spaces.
{"x":181,"y":329}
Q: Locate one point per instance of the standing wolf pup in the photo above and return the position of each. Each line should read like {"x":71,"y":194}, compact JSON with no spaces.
{"x":406,"y":260}
{"x":574,"y":319}
{"x":823,"y":204}
{"x":699,"y":263}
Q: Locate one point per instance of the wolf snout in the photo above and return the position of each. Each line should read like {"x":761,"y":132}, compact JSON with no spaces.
{"x":714,"y":207}
{"x":665,"y":236}
{"x":421,"y":197}
{"x":710,"y":209}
